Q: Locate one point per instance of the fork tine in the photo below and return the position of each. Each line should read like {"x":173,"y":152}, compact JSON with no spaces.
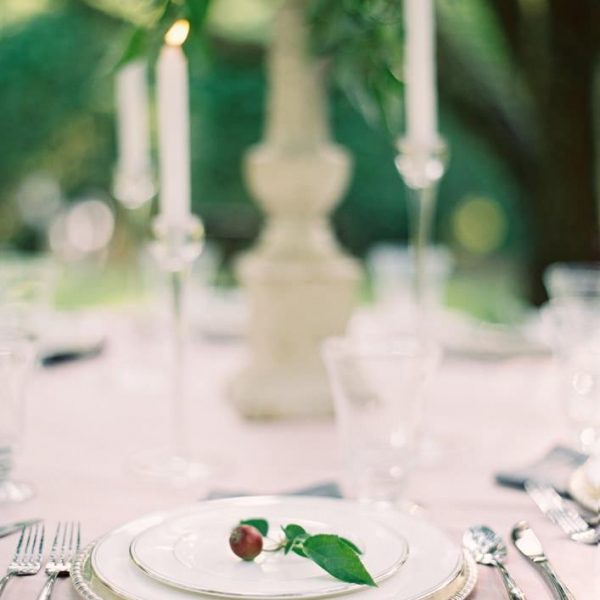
{"x":31,"y":549}
{"x":19,"y":543}
{"x":28,"y":544}
{"x":78,"y":535}
{"x":54,"y":548}
{"x":68,"y":540}
{"x":41,"y":544}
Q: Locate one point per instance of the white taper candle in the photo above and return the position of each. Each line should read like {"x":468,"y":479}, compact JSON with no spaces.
{"x":133,"y":135}
{"x":421,"y":97}
{"x":174,"y":127}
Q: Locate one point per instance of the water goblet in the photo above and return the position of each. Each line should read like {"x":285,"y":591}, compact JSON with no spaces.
{"x":572,"y":317}
{"x":16,"y":358}
{"x":378,"y":391}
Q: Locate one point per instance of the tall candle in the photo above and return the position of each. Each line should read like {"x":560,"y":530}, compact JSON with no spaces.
{"x":421,"y":98}
{"x":131,"y":90}
{"x":174,"y":127}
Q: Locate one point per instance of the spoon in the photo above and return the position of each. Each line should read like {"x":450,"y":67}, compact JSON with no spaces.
{"x":488,"y":549}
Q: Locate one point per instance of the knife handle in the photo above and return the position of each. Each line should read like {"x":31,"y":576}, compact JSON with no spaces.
{"x":514,"y":591}
{"x":558,"y":588}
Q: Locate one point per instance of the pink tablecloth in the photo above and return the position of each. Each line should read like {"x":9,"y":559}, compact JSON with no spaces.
{"x":85,"y":419}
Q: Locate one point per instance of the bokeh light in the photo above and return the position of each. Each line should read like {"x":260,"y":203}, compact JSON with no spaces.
{"x":479,"y":225}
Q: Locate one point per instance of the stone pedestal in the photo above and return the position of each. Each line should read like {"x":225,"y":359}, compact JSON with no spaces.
{"x":301,"y":286}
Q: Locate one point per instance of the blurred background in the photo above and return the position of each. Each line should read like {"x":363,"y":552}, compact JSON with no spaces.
{"x":518,"y":87}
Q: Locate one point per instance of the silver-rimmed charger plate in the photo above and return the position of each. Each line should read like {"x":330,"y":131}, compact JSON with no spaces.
{"x":435,"y":564}
{"x":89,"y":587}
{"x":191,"y":551}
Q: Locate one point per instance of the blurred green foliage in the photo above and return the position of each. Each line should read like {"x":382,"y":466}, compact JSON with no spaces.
{"x":57,"y":116}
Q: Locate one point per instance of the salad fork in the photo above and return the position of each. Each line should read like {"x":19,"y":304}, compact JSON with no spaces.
{"x":567,"y":518}
{"x":64,"y":546}
{"x":28,"y":555}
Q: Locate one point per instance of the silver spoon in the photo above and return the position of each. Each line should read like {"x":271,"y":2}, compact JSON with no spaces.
{"x":488,"y":549}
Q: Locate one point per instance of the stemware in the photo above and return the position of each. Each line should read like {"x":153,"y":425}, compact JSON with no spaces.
{"x":27,"y":286}
{"x":16,"y":359}
{"x":421,"y":166}
{"x":378,"y":389}
{"x":573,"y":319}
{"x":176,"y":247}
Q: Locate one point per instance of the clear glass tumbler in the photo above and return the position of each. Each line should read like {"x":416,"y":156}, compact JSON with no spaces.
{"x":378,"y":392}
{"x":16,"y":359}
{"x":572,"y":317}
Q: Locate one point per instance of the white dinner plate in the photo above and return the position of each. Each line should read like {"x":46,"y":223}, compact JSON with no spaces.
{"x":433,"y":562}
{"x":192,"y":551}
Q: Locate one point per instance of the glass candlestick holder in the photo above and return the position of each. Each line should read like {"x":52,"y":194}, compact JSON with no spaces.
{"x":175,"y":248}
{"x":421,"y":166}
{"x":134,"y":189}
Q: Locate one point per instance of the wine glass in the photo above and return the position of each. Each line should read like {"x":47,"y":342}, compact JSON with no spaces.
{"x":17,"y":355}
{"x":572,"y":317}
{"x":378,"y":391}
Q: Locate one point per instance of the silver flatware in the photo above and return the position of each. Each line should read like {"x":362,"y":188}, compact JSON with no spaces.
{"x":11,"y":528}
{"x":528,"y":544}
{"x":561,"y":513}
{"x":487,"y":548}
{"x":27,"y":559}
{"x":65,"y":545}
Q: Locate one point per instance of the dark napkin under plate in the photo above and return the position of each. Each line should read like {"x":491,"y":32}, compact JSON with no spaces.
{"x":555,"y":468}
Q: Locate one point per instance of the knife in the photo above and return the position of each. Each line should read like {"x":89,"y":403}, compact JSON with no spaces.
{"x":529,"y":546}
{"x":16,"y":526}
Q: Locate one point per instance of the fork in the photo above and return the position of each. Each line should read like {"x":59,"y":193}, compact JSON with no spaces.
{"x":28,"y":555}
{"x":64,"y":546}
{"x":561,"y":514}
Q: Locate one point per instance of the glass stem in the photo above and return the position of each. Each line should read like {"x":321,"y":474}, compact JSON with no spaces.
{"x":177,"y":280}
{"x":421,"y":207}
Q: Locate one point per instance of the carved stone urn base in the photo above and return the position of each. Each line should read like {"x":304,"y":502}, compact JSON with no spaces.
{"x":295,"y":306}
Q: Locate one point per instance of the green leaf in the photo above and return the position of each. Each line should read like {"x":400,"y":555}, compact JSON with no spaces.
{"x":335,"y":556}
{"x":195,"y":12}
{"x":351,"y":544}
{"x":295,"y":536}
{"x":136,"y":47}
{"x":292,"y":531}
{"x":261,"y":524}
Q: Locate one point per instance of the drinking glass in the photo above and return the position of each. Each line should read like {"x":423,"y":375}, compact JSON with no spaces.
{"x":26,"y":292}
{"x":16,"y":359}
{"x":572,"y":317}
{"x":378,"y":389}
{"x":583,"y":395}
{"x":575,"y":280}
{"x":392,"y":268}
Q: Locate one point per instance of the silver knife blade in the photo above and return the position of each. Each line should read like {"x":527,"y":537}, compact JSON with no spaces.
{"x":11,"y":528}
{"x":527,"y":542}
{"x":530,"y":546}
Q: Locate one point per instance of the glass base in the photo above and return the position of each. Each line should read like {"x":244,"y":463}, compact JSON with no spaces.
{"x":166,"y":468}
{"x":13,"y":492}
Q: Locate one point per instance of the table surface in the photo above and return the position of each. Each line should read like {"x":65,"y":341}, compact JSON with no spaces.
{"x":86,"y":419}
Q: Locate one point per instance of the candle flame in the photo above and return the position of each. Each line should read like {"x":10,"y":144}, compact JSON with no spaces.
{"x":177,"y":33}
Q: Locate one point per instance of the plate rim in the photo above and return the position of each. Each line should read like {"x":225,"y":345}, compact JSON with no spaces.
{"x":84,"y":586}
{"x":425,"y":595}
{"x":339,"y":589}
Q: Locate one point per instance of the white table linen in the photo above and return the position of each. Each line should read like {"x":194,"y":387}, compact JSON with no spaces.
{"x":84,"y":419}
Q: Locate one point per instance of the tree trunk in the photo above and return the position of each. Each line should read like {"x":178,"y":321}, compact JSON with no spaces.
{"x":564,"y":197}
{"x":552,"y":153}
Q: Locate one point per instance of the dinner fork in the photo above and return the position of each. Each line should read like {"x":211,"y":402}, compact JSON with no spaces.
{"x":28,"y":555}
{"x":561,"y":514}
{"x":64,"y":546}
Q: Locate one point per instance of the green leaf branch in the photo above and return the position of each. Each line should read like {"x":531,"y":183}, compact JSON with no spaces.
{"x":335,"y":554}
